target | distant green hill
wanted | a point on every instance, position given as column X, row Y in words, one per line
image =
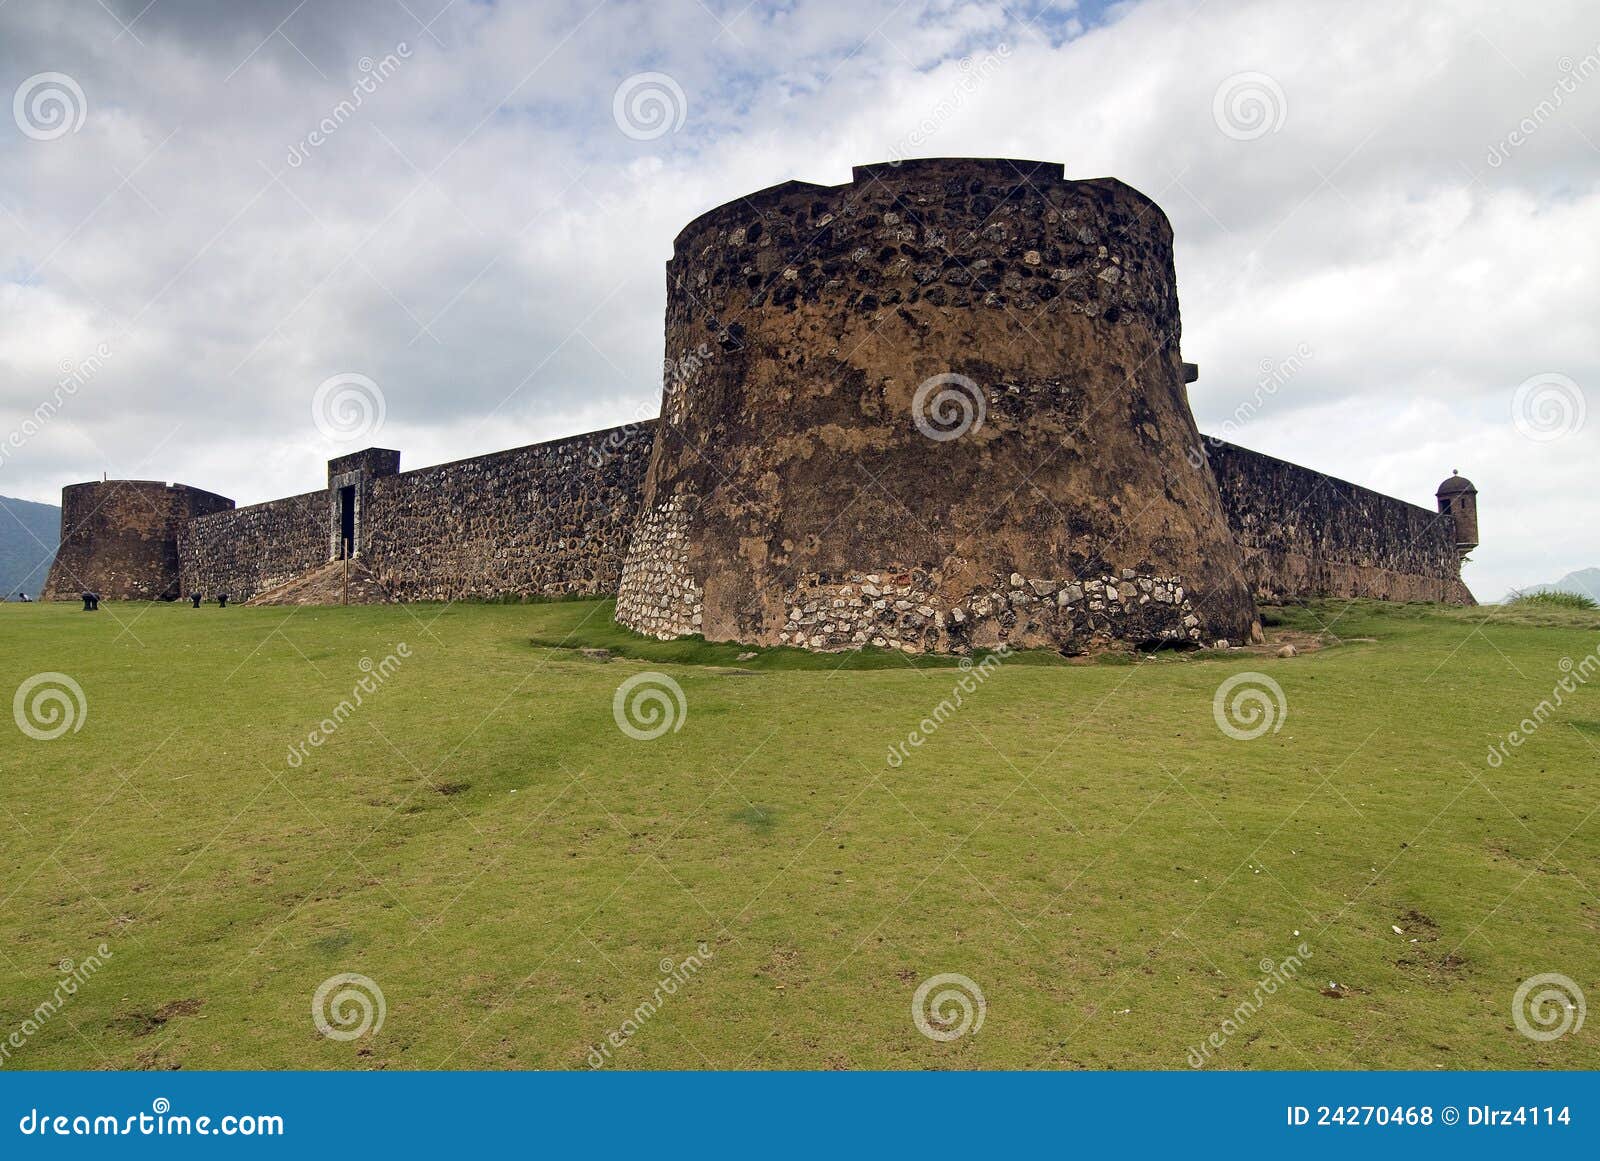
column 1585, row 581
column 29, row 533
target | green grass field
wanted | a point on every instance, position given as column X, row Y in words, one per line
column 511, row 869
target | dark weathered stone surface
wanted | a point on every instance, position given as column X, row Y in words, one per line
column 1304, row 534
column 119, row 538
column 549, row 518
column 789, row 466
column 249, row 550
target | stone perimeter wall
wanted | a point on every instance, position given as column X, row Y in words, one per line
column 557, row 518
column 1304, row 534
column 549, row 518
column 546, row 519
column 248, row 550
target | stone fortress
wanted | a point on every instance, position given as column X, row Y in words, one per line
column 940, row 407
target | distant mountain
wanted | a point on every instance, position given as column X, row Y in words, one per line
column 1585, row 581
column 29, row 533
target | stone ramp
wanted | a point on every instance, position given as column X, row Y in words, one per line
column 326, row 586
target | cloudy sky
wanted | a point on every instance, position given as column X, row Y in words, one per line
column 1387, row 217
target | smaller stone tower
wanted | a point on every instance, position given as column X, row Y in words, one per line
column 120, row 538
column 1458, row 499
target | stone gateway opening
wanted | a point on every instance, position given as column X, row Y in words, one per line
column 347, row 521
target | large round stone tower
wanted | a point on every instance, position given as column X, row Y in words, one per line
column 942, row 406
column 120, row 538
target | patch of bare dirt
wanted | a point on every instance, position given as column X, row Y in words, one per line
column 144, row 1023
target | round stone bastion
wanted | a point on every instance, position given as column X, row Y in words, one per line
column 939, row 408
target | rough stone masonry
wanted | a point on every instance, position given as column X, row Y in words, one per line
column 1045, row 498
column 940, row 407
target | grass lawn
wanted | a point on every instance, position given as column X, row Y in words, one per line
column 1081, row 841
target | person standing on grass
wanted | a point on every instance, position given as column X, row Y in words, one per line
column 222, row 600
column 197, row 598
